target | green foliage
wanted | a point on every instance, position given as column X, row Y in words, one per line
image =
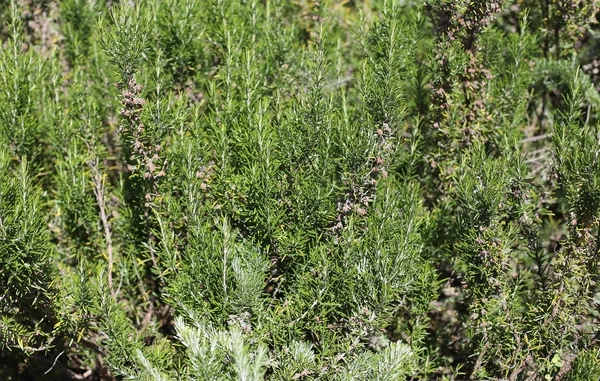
column 125, row 39
column 221, row 354
column 78, row 18
column 332, row 190
column 586, row 366
column 21, row 74
column 28, row 310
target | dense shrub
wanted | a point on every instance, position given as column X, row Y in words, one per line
column 299, row 190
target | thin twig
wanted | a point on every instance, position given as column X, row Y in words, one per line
column 40, row 349
column 535, row 138
column 481, row 354
column 99, row 191
column 54, row 363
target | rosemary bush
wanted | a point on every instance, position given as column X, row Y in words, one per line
column 299, row 190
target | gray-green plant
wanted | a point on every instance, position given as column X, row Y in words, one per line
column 306, row 190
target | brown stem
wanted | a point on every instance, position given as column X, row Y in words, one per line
column 42, row 348
column 100, row 198
column 481, row 354
column 566, row 368
column 520, row 368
